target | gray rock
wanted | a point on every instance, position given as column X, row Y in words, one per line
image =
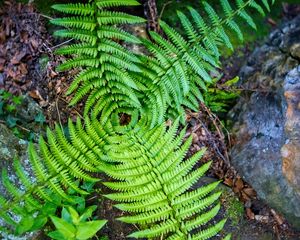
column 28, row 110
column 267, row 151
column 10, row 148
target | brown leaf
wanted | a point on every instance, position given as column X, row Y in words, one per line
column 228, row 182
column 244, row 197
column 277, row 217
column 239, row 184
column 2, row 61
column 250, row 214
column 262, row 218
column 250, row 192
column 34, row 43
column 36, row 95
column 17, row 57
column 2, row 36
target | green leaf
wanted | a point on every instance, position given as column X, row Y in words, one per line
column 10, row 108
column 1, row 108
column 88, row 213
column 11, row 121
column 228, row 237
column 49, row 209
column 66, row 215
column 6, row 95
column 24, row 225
column 40, row 118
column 39, row 223
column 58, row 236
column 65, row 228
column 89, row 229
column 17, row 100
column 88, row 186
column 74, row 215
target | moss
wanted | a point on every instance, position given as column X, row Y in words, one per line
column 234, row 209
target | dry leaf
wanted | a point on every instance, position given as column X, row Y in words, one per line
column 17, row 57
column 277, row 217
column 250, row 192
column 239, row 184
column 250, row 214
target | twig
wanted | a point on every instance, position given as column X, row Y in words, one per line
column 79, row 114
column 63, row 43
column 58, row 113
column 163, row 9
column 213, row 117
column 45, row 16
column 17, row 125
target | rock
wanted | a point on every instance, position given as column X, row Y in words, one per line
column 11, row 147
column 267, row 122
column 290, row 151
column 295, row 50
column 28, row 110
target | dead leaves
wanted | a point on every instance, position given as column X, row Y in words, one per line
column 20, row 44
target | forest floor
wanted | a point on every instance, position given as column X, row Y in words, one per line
column 27, row 66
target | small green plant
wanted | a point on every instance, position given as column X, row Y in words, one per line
column 72, row 226
column 31, row 223
column 8, row 107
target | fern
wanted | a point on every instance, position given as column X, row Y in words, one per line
column 106, row 64
column 153, row 179
column 154, row 185
column 56, row 167
column 160, row 86
column 183, row 64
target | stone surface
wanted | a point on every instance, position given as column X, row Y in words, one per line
column 267, row 120
column 28, row 110
column 10, row 148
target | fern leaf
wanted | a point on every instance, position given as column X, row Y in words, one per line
column 75, row 8
column 116, row 3
column 108, row 17
column 85, row 23
column 153, row 185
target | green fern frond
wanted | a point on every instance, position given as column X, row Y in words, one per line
column 56, row 166
column 116, row 3
column 154, row 184
column 199, row 52
column 109, row 69
column 75, row 8
column 85, row 23
column 108, row 17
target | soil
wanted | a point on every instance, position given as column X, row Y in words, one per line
column 27, row 66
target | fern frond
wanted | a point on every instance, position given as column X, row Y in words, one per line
column 56, row 166
column 116, row 3
column 75, row 8
column 109, row 69
column 153, row 184
column 199, row 52
column 108, row 17
column 85, row 23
